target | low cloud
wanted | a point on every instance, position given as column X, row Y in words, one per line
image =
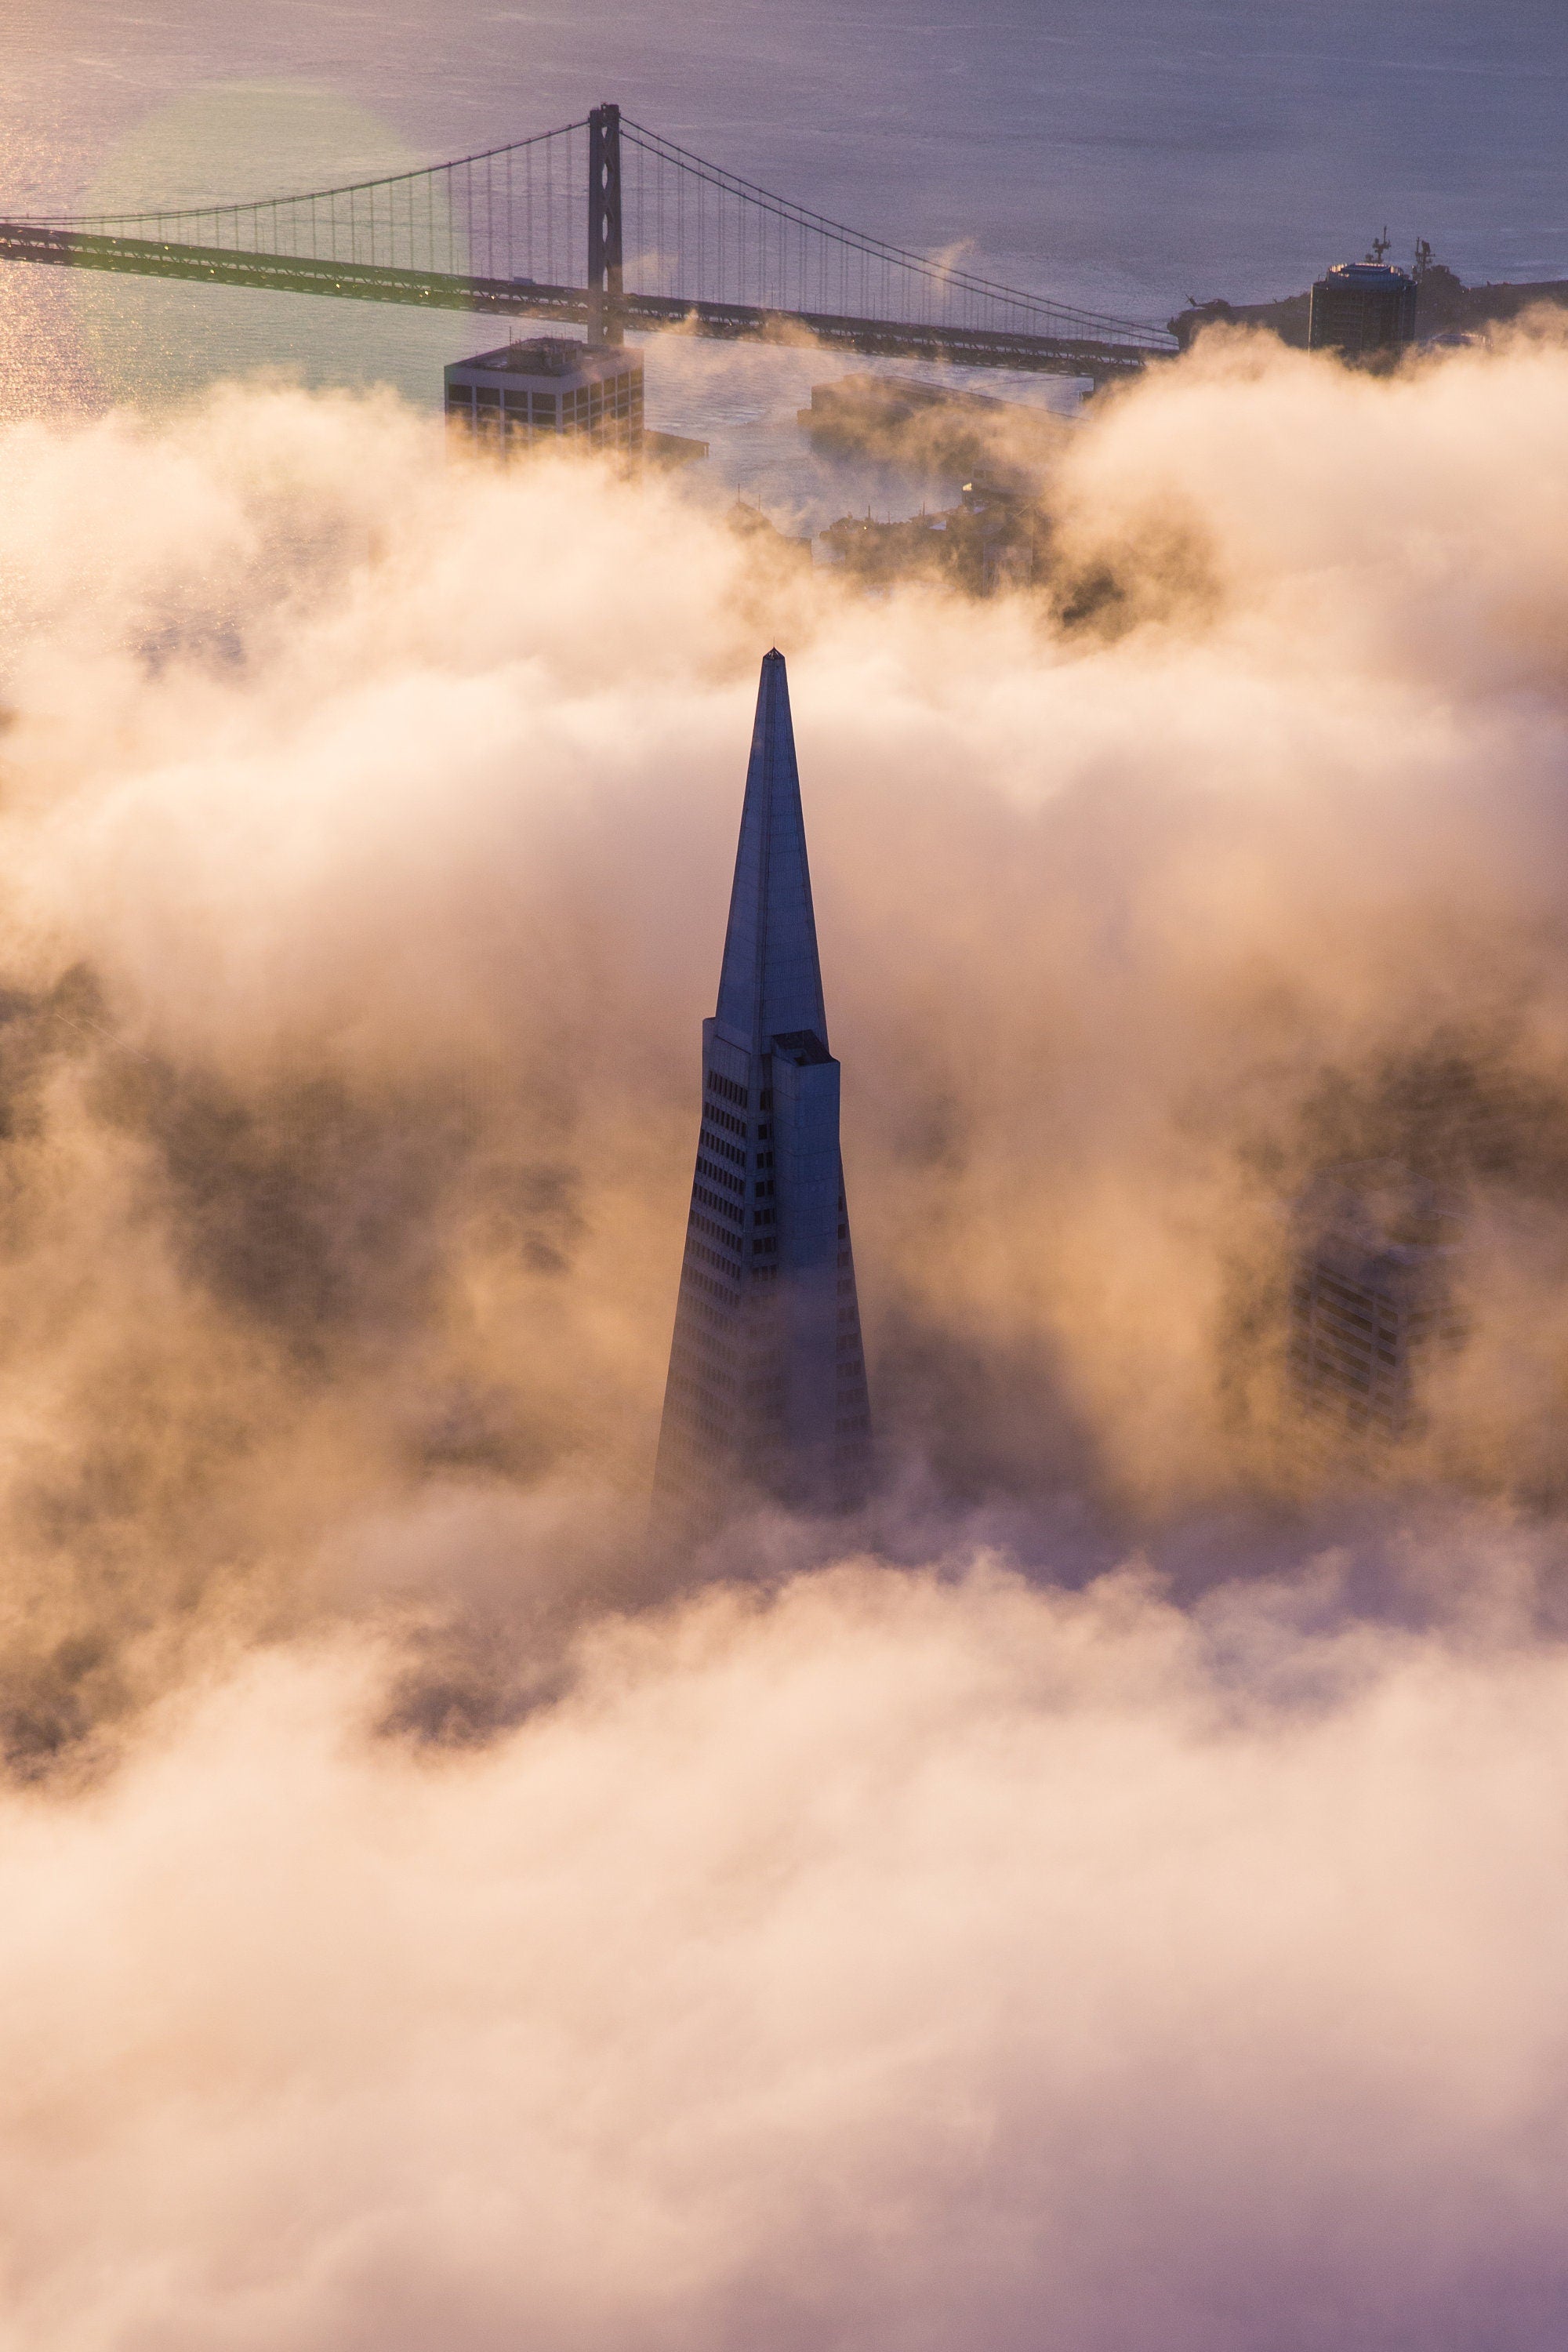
column 889, row 1960
column 1118, row 1899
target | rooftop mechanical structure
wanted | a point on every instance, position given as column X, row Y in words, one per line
column 766, row 1399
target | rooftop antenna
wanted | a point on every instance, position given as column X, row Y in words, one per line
column 1379, row 244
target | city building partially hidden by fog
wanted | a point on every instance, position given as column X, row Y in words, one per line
column 766, row 1394
column 1376, row 1251
column 553, row 390
column 927, row 425
column 550, row 386
column 1363, row 309
column 993, row 540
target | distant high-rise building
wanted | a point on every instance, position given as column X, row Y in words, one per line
column 1363, row 309
column 549, row 388
column 1373, row 1291
column 766, row 1395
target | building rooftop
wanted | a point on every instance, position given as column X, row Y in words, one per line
column 1367, row 277
column 553, row 355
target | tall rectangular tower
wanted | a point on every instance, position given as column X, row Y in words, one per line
column 766, row 1395
column 1377, row 1251
column 1361, row 308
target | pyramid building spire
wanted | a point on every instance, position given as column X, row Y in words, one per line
column 766, row 1396
column 771, row 982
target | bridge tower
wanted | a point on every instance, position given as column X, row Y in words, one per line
column 766, row 1395
column 606, row 322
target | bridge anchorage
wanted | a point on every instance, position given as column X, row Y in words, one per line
column 671, row 241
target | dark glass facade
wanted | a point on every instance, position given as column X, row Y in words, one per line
column 767, row 1396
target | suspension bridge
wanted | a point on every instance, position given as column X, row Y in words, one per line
column 603, row 224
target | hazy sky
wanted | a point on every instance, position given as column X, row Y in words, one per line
column 1130, row 150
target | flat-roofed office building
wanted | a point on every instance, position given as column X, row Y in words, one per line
column 547, row 391
column 1363, row 309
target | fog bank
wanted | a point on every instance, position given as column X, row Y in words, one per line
column 1113, row 1888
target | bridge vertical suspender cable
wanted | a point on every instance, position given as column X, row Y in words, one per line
column 741, row 262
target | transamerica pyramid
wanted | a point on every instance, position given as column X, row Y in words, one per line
column 766, row 1395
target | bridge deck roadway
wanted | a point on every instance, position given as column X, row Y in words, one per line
column 572, row 305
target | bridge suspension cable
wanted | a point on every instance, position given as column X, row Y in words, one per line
column 497, row 214
column 665, row 238
column 735, row 242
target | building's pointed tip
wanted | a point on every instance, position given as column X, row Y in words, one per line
column 771, row 981
column 772, row 705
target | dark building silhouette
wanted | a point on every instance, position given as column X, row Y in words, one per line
column 766, row 1395
column 1363, row 309
column 1376, row 1248
column 993, row 540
